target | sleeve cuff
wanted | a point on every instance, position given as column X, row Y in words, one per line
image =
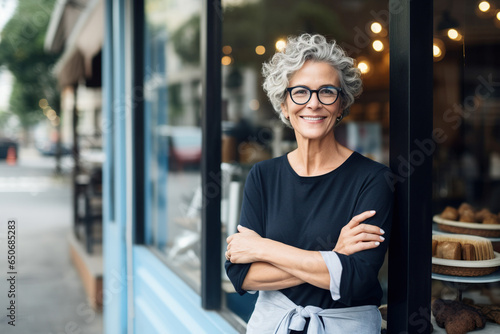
column 334, row 266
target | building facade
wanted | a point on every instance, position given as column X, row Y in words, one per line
column 184, row 118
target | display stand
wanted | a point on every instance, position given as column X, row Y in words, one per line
column 437, row 231
column 462, row 283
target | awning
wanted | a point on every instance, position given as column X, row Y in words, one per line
column 84, row 40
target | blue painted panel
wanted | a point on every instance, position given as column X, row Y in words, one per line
column 148, row 187
column 114, row 252
column 164, row 304
column 148, row 147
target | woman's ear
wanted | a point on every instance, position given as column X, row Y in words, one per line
column 284, row 110
column 340, row 115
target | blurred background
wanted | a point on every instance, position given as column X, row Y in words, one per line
column 36, row 187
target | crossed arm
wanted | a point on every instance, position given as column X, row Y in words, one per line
column 276, row 265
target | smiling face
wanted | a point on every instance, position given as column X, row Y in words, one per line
column 313, row 120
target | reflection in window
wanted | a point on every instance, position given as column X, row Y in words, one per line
column 173, row 130
column 466, row 144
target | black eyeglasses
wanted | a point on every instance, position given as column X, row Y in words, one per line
column 302, row 94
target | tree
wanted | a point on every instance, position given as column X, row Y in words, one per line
column 22, row 52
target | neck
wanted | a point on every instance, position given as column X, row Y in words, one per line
column 316, row 157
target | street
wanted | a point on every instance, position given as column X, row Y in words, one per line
column 40, row 289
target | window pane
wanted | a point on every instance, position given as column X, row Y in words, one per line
column 466, row 144
column 252, row 131
column 173, row 130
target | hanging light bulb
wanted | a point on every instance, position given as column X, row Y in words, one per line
column 364, row 66
column 438, row 49
column 260, row 50
column 378, row 45
column 454, row 35
column 226, row 60
column 280, row 45
column 484, row 6
column 376, row 27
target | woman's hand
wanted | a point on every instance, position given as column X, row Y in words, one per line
column 243, row 247
column 356, row 237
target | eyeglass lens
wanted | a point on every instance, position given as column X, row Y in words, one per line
column 302, row 95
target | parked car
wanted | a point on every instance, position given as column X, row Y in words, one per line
column 48, row 148
column 184, row 146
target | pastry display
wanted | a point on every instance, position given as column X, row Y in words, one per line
column 463, row 255
column 467, row 220
column 457, row 317
column 467, row 214
column 472, row 230
column 462, row 247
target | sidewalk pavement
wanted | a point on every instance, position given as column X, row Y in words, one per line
column 49, row 295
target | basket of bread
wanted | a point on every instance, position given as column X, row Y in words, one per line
column 463, row 255
column 467, row 220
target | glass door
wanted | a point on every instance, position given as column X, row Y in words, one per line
column 466, row 172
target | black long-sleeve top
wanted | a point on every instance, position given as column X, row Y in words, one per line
column 309, row 212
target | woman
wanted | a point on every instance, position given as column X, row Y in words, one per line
column 301, row 241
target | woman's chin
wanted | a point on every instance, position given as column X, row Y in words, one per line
column 313, row 134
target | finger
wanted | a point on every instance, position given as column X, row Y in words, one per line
column 227, row 256
column 228, row 239
column 356, row 220
column 367, row 228
column 367, row 237
column 242, row 228
column 361, row 246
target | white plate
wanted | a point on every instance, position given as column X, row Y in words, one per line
column 468, row 264
column 479, row 226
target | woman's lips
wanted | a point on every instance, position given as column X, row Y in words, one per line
column 313, row 118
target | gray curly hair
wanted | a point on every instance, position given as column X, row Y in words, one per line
column 278, row 71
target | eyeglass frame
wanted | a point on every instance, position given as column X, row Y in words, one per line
column 311, row 91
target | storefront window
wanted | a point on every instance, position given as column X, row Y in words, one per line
column 466, row 173
column 172, row 90
column 252, row 131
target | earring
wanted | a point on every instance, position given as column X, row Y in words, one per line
column 340, row 118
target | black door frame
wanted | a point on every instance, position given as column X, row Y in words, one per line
column 409, row 288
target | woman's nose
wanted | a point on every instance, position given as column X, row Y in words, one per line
column 314, row 101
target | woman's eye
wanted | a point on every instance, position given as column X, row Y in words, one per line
column 300, row 92
column 327, row 91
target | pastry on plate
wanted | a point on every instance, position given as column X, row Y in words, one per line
column 491, row 219
column 457, row 317
column 449, row 213
column 467, row 216
column 450, row 250
column 465, row 207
